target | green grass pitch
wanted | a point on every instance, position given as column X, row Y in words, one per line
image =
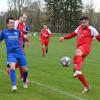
column 48, row 79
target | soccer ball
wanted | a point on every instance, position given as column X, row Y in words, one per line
column 65, row 61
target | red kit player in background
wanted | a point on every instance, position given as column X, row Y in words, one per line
column 85, row 34
column 44, row 38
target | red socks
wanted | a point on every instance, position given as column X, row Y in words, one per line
column 8, row 71
column 20, row 70
column 78, row 60
column 83, row 80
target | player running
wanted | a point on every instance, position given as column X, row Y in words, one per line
column 15, row 52
column 20, row 24
column 85, row 34
column 44, row 37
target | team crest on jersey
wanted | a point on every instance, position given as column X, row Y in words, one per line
column 15, row 33
column 7, row 33
column 13, row 37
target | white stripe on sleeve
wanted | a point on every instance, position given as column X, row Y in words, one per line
column 16, row 24
column 94, row 32
column 49, row 31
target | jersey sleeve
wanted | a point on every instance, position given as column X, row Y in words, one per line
column 49, row 31
column 69, row 36
column 94, row 32
column 76, row 31
column 16, row 24
column 41, row 33
column 1, row 36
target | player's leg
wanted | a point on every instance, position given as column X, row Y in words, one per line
column 11, row 60
column 43, row 47
column 78, row 61
column 13, row 76
column 46, row 49
column 8, row 70
column 23, row 62
column 20, row 70
column 47, row 43
column 25, row 76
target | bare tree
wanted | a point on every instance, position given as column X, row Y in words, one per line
column 16, row 5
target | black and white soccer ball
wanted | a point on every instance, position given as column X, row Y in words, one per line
column 65, row 61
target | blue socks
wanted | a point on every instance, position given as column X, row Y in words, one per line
column 13, row 77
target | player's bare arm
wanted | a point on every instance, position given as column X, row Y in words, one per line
column 27, row 39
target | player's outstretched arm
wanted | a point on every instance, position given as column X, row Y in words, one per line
column 26, row 37
column 68, row 36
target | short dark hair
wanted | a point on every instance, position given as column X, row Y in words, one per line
column 7, row 20
column 23, row 13
column 84, row 18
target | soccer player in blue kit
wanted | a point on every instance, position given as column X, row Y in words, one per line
column 15, row 52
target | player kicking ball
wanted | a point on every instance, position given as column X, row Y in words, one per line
column 44, row 38
column 15, row 52
column 85, row 34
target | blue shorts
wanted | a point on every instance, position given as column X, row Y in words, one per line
column 14, row 57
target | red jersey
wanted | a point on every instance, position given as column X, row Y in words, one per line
column 21, row 27
column 84, row 36
column 45, row 34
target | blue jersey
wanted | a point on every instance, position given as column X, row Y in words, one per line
column 12, row 40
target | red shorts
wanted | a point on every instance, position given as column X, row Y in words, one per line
column 85, row 49
column 43, row 42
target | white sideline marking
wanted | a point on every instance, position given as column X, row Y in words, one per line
column 57, row 90
column 53, row 89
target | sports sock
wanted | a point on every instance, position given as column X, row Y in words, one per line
column 46, row 50
column 21, row 72
column 13, row 77
column 83, row 80
column 25, row 74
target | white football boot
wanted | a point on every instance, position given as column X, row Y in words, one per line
column 14, row 88
column 77, row 73
column 86, row 90
column 25, row 85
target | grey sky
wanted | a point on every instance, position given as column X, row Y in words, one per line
column 96, row 3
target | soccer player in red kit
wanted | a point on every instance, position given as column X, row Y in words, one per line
column 20, row 24
column 44, row 37
column 85, row 34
